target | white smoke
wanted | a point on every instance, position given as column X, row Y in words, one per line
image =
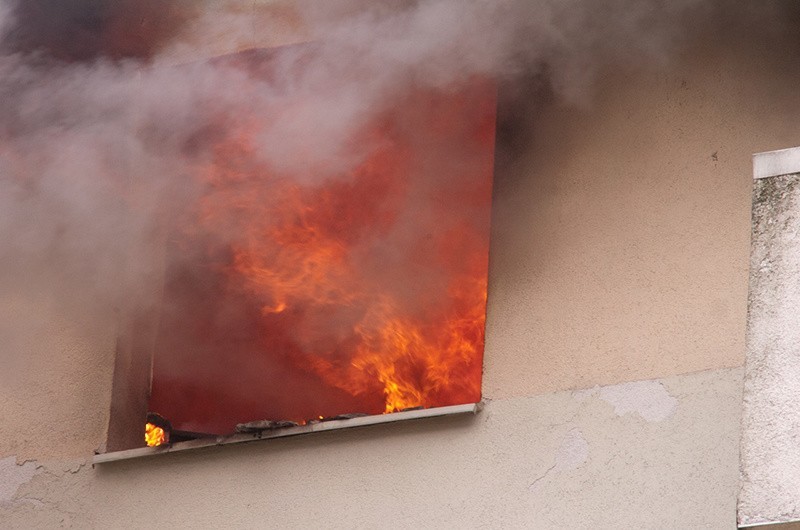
column 97, row 154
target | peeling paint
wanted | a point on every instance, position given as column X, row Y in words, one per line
column 648, row 399
column 13, row 475
column 573, row 452
column 585, row 393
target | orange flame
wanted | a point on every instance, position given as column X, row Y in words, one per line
column 154, row 435
column 300, row 254
column 373, row 280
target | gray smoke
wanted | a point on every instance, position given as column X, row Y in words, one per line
column 107, row 109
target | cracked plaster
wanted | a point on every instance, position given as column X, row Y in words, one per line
column 13, row 475
column 648, row 399
column 549, row 461
column 618, row 254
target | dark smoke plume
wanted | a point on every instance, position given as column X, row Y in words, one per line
column 83, row 30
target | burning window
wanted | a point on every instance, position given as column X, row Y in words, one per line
column 359, row 288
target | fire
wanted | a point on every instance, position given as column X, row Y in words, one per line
column 417, row 363
column 154, row 435
column 302, row 253
column 369, row 282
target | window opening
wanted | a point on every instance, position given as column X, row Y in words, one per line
column 295, row 295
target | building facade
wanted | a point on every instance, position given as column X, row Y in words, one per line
column 615, row 342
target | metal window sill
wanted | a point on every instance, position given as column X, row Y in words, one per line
column 332, row 425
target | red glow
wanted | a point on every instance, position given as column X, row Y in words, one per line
column 297, row 297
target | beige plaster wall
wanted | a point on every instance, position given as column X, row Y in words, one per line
column 621, row 237
column 653, row 454
column 619, row 255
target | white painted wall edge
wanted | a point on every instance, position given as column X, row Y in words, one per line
column 770, row 523
column 332, row 425
column 776, row 163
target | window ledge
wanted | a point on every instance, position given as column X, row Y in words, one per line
column 332, row 425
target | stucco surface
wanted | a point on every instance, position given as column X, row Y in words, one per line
column 770, row 453
column 620, row 256
column 55, row 384
column 565, row 460
column 621, row 236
